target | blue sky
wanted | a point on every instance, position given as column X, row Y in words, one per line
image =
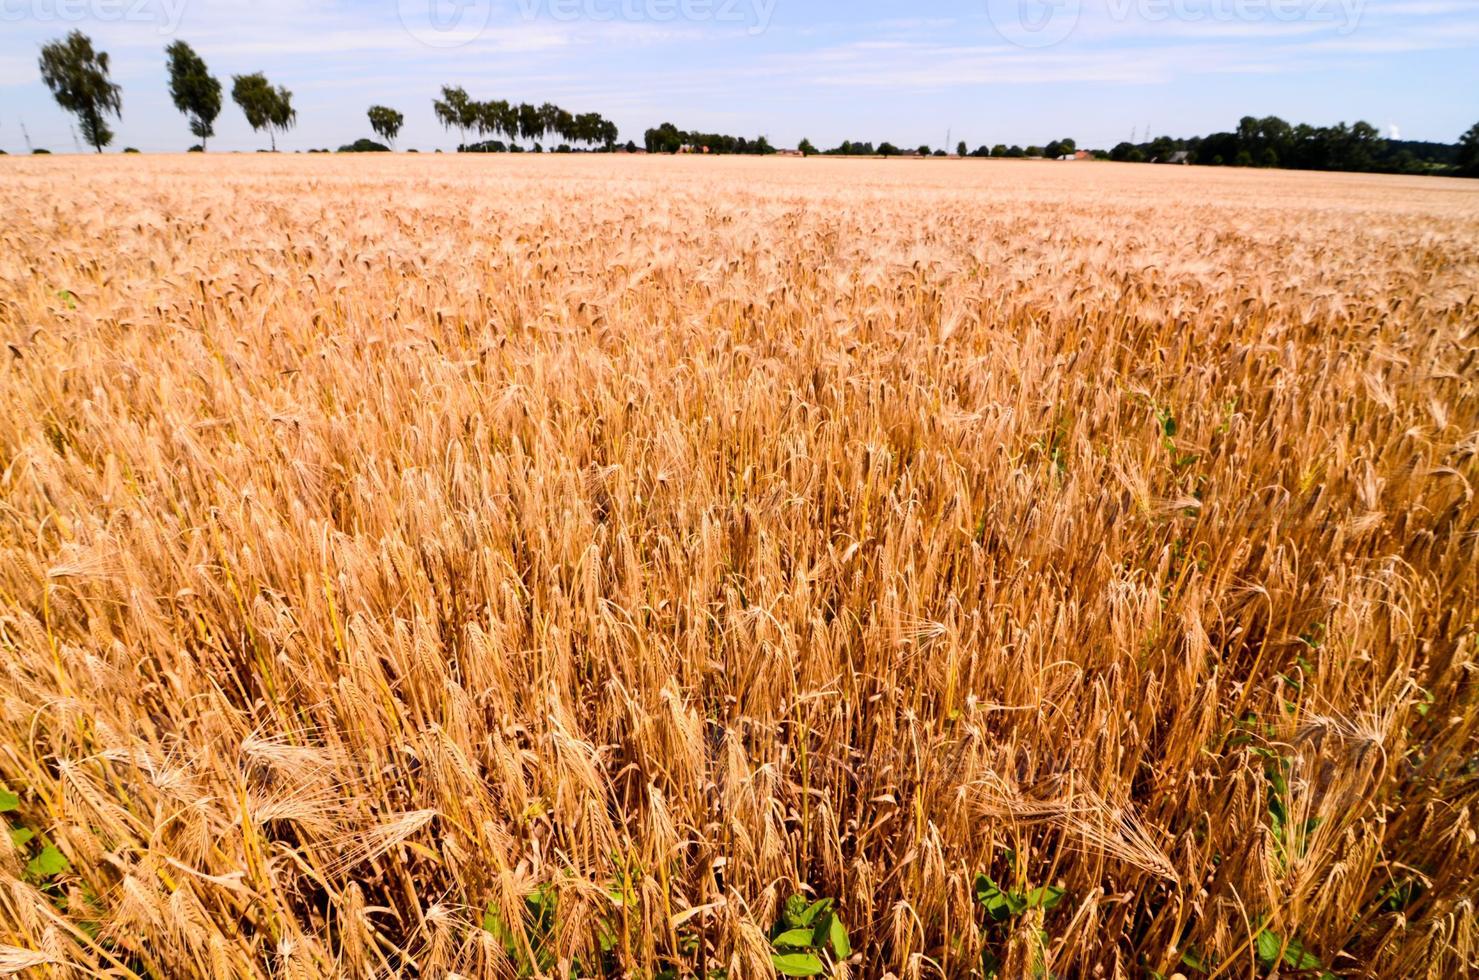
column 986, row 71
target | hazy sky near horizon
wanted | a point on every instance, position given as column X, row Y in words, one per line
column 985, row 71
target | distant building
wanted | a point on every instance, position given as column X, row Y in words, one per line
column 789, row 153
column 1182, row 157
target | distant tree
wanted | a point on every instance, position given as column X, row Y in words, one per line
column 1468, row 152
column 195, row 92
column 807, row 150
column 1218, row 148
column 923, row 150
column 1248, row 130
column 565, row 125
column 508, row 116
column 887, row 150
column 531, row 122
column 999, row 150
column 666, row 138
column 78, row 78
column 386, row 122
column 1361, row 147
column 364, row 146
column 586, row 128
column 549, row 119
column 1035, row 151
column 265, row 107
column 1053, row 150
column 254, row 96
column 455, row 110
column 961, row 150
column 284, row 116
column 497, row 117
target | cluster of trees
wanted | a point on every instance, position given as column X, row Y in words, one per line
column 668, row 138
column 1001, row 150
column 1273, row 142
column 848, row 148
column 455, row 110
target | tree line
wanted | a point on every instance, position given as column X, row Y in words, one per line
column 1273, row 142
column 849, row 148
column 79, row 78
column 668, row 138
column 456, row 110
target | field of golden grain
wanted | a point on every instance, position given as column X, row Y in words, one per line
column 432, row 567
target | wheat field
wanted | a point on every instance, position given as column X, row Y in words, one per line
column 492, row 567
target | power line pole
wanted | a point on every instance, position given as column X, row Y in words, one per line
column 29, row 147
